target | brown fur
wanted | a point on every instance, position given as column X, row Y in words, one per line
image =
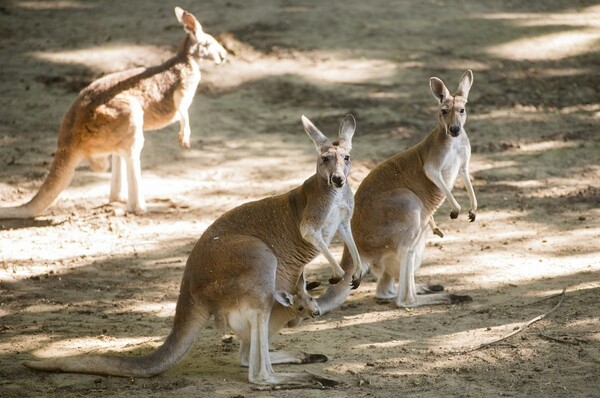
column 396, row 201
column 112, row 113
column 237, row 267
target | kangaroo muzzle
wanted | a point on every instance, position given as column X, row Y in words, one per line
column 338, row 180
column 454, row 130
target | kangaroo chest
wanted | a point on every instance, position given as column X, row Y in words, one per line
column 184, row 94
column 453, row 159
column 339, row 211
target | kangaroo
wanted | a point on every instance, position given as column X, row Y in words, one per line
column 240, row 262
column 396, row 201
column 286, row 308
column 112, row 113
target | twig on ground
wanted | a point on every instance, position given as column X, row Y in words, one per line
column 520, row 329
column 282, row 387
column 561, row 341
column 540, row 300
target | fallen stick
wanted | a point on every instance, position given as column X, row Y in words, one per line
column 540, row 300
column 550, row 338
column 520, row 329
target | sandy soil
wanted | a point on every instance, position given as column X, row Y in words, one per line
column 88, row 278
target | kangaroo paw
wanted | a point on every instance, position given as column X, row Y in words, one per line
column 333, row 280
column 312, row 285
column 454, row 214
column 429, row 289
column 326, row 383
column 436, row 288
column 456, row 298
column 313, row 358
column 472, row 216
column 438, row 232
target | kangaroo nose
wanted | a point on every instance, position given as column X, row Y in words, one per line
column 337, row 180
column 316, row 313
column 454, row 129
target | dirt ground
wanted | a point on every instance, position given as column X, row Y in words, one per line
column 86, row 277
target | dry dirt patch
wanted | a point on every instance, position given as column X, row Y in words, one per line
column 88, row 278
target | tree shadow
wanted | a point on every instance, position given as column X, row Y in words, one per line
column 522, row 102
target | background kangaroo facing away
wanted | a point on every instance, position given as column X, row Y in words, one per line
column 239, row 264
column 396, row 201
column 112, row 113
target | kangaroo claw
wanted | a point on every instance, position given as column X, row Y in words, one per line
column 326, row 383
column 438, row 232
column 314, row 358
column 456, row 298
column 355, row 282
column 472, row 216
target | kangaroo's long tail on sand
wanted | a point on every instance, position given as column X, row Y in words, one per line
column 336, row 294
column 189, row 320
column 59, row 177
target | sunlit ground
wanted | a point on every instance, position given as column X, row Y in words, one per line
column 87, row 277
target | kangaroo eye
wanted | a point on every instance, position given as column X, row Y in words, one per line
column 462, row 110
column 325, row 159
column 301, row 308
column 347, row 158
column 444, row 111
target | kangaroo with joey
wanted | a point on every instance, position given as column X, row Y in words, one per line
column 239, row 265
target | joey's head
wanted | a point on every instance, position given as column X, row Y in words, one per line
column 452, row 114
column 301, row 304
column 198, row 44
column 333, row 163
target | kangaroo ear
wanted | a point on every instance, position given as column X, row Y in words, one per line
column 438, row 88
column 283, row 298
column 189, row 22
column 347, row 129
column 212, row 49
column 318, row 138
column 465, row 84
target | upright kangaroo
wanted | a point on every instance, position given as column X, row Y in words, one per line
column 396, row 201
column 112, row 113
column 240, row 262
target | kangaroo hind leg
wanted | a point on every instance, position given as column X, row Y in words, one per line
column 411, row 257
column 386, row 283
column 118, row 174
column 260, row 370
column 131, row 156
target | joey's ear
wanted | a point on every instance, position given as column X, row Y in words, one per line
column 283, row 298
column 189, row 22
column 438, row 88
column 465, row 84
column 347, row 129
column 318, row 138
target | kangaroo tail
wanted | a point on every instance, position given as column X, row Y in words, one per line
column 336, row 294
column 189, row 320
column 59, row 177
